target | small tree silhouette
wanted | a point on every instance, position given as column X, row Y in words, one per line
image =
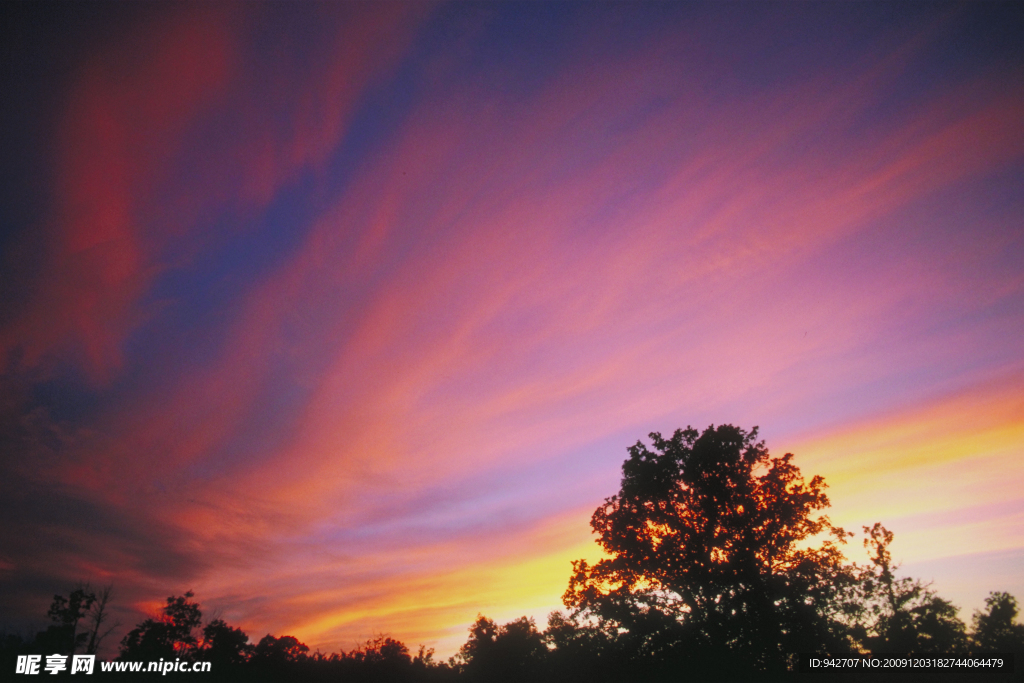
column 98, row 617
column 996, row 630
column 63, row 635
column 225, row 646
column 274, row 652
column 512, row 652
column 900, row 614
column 169, row 636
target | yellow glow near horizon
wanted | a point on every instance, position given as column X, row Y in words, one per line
column 944, row 476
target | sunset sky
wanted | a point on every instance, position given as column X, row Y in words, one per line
column 344, row 315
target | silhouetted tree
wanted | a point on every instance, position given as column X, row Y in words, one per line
column 711, row 556
column 381, row 658
column 512, row 652
column 581, row 651
column 63, row 636
column 995, row 630
column 274, row 652
column 225, row 646
column 901, row 614
column 169, row 636
column 382, row 650
column 98, row 617
column 424, row 657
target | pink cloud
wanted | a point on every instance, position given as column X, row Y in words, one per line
column 164, row 128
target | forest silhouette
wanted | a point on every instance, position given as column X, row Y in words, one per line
column 721, row 564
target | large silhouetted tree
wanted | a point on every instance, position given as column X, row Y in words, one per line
column 717, row 551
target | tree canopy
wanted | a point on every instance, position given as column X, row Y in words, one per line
column 996, row 629
column 715, row 540
column 891, row 614
column 511, row 652
column 82, row 606
column 168, row 636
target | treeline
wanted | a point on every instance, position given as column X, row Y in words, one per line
column 719, row 566
column 567, row 650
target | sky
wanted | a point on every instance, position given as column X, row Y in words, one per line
column 343, row 315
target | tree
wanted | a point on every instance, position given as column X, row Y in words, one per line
column 580, row 651
column 512, row 652
column 382, row 650
column 901, row 614
column 63, row 636
column 225, row 646
column 380, row 658
column 169, row 636
column 275, row 652
column 712, row 554
column 82, row 606
column 996, row 630
column 98, row 616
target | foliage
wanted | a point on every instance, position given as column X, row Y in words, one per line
column 383, row 658
column 234, row 657
column 709, row 544
column 381, row 650
column 512, row 652
column 225, row 646
column 273, row 651
column 720, row 564
column 996, row 630
column 62, row 635
column 900, row 614
column 82, row 606
column 169, row 636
